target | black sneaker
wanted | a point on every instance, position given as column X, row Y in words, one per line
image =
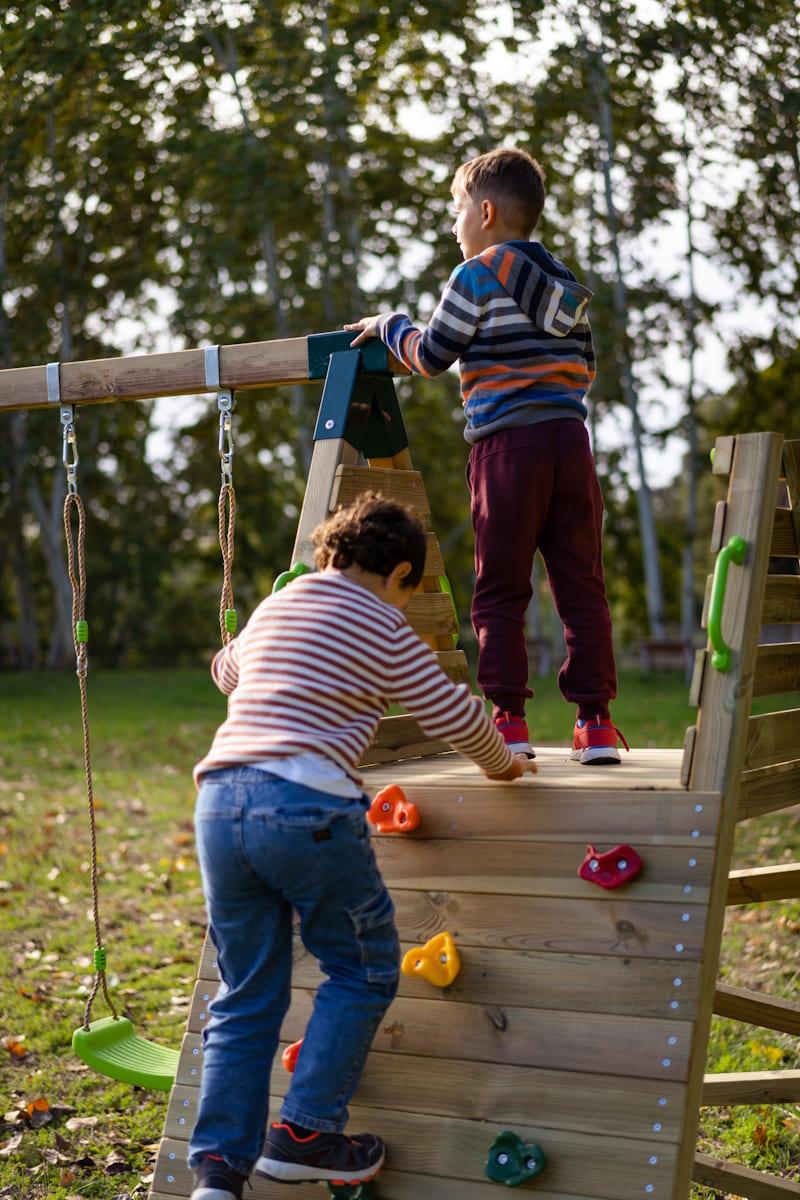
column 215, row 1180
column 295, row 1155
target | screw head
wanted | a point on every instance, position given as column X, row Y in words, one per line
column 329, row 424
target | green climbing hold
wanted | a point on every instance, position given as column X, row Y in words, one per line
column 285, row 577
column 81, row 631
column 711, row 454
column 230, row 620
column 512, row 1161
column 99, row 959
column 351, row 1191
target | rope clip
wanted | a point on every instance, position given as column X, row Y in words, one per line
column 69, row 453
column 225, row 406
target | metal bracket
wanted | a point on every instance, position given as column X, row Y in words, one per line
column 361, row 408
column 54, row 383
column 225, row 403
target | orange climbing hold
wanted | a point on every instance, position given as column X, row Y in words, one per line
column 437, row 961
column 289, row 1056
column 391, row 812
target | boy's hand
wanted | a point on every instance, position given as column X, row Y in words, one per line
column 368, row 327
column 520, row 765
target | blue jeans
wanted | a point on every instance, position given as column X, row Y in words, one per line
column 268, row 846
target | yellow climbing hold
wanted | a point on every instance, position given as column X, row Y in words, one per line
column 437, row 961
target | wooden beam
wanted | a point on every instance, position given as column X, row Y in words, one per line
column 752, row 1087
column 764, row 883
column 777, row 669
column 769, row 789
column 784, row 543
column 781, row 600
column 733, row 1180
column 406, row 487
column 755, row 1008
column 772, row 738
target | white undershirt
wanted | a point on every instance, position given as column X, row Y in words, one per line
column 312, row 771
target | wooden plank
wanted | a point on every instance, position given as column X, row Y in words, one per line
column 645, row 1047
column 723, row 455
column 741, row 1181
column 530, row 979
column 647, row 771
column 769, row 789
column 602, row 1104
column 698, row 675
column 781, row 600
column 457, row 1149
column 393, row 732
column 147, row 376
column 606, row 818
column 537, row 869
column 756, row 1008
column 325, row 461
column 772, row 738
column 777, row 669
column 430, row 614
column 764, row 883
column 725, row 698
column 791, row 473
column 434, row 563
column 784, row 543
column 454, row 664
column 407, row 487
column 374, row 756
column 689, row 739
column 752, row 1087
column 706, row 604
column 391, row 1184
column 718, row 528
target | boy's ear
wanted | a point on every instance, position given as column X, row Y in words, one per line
column 488, row 214
column 401, row 572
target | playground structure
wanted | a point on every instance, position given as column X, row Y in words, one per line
column 579, row 1019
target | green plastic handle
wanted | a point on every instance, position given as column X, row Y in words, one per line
column 734, row 552
column 285, row 577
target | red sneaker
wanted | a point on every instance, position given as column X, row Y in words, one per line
column 515, row 733
column 595, row 741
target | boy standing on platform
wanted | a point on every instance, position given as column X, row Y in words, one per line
column 515, row 318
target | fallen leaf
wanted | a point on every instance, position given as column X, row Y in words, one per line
column 14, row 1047
column 66, row 1176
column 759, row 1135
column 81, row 1123
column 11, row 1145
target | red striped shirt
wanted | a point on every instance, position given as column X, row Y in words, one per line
column 316, row 667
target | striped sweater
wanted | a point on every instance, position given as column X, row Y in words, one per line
column 316, row 667
column 515, row 317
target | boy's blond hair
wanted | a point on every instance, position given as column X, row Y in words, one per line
column 511, row 178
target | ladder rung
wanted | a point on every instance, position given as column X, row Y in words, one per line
column 764, row 883
column 756, row 1008
column 752, row 1087
column 406, row 487
column 731, row 1179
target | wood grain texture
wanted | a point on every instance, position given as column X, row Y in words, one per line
column 552, row 1039
column 781, row 600
column 457, row 1150
column 326, row 459
column 752, row 1087
column 769, row 789
column 741, row 1181
column 764, row 883
column 602, row 1104
column 777, row 669
column 723, row 455
column 772, row 738
column 784, row 543
column 407, row 487
column 756, row 1008
column 431, row 614
column 791, row 473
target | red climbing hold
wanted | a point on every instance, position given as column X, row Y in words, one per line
column 289, row 1056
column 611, row 869
column 391, row 812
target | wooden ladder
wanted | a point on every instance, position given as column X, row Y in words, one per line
column 755, row 762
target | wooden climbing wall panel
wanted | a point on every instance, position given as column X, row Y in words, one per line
column 571, row 1019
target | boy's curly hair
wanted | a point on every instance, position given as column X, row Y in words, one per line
column 509, row 176
column 374, row 533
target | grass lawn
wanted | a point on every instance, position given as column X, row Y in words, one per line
column 69, row 1134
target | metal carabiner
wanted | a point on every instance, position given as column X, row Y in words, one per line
column 225, row 406
column 69, row 451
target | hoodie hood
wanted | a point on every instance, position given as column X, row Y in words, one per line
column 543, row 288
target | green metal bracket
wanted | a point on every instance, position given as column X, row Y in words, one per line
column 735, row 551
column 321, row 346
column 360, row 407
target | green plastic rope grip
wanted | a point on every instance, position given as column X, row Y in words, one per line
column 81, row 631
column 285, row 577
column 444, row 584
column 512, row 1161
column 230, row 620
column 734, row 552
column 99, row 959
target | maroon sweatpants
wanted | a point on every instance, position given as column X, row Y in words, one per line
column 535, row 487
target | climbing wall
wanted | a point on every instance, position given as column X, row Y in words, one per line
column 569, row 1022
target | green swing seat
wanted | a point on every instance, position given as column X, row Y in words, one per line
column 111, row 1047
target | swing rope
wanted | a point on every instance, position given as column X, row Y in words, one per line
column 226, row 513
column 76, row 568
column 76, row 558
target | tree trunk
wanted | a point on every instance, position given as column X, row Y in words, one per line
column 654, row 596
column 689, row 621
